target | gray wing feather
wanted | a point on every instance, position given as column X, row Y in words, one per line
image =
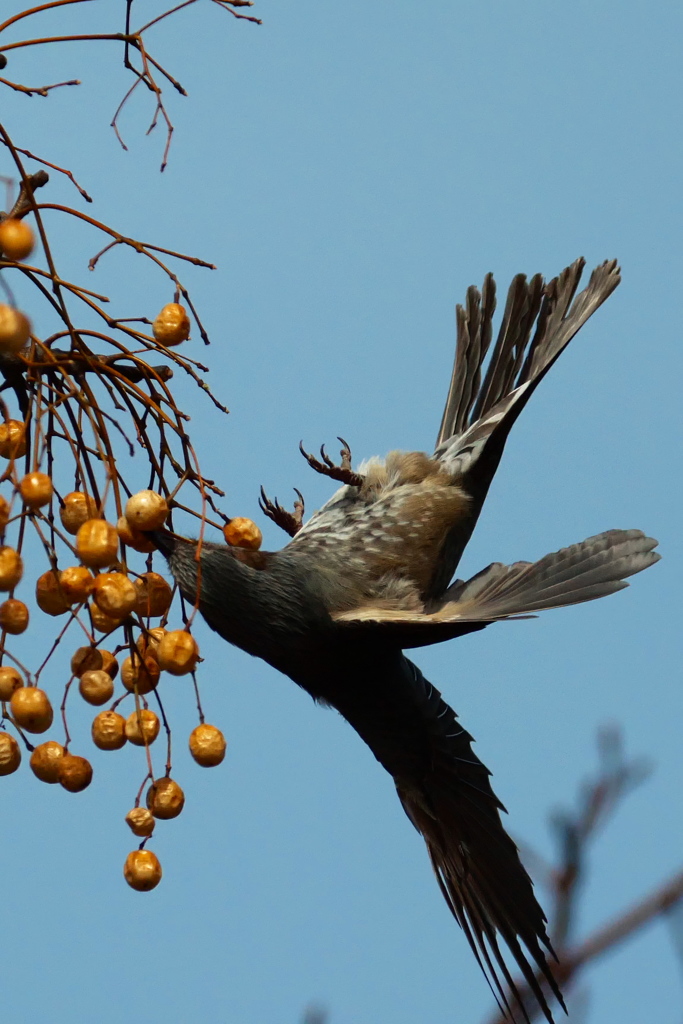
column 474, row 332
column 582, row 572
column 476, row 411
column 538, row 323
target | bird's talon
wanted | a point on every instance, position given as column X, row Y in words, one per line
column 343, row 472
column 290, row 522
column 345, row 454
column 299, row 508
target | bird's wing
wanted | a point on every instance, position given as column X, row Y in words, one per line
column 446, row 793
column 486, row 396
column 491, row 385
column 582, row 572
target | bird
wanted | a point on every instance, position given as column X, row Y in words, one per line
column 368, row 577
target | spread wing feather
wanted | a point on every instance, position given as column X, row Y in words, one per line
column 582, row 572
column 490, row 385
column 518, row 361
column 594, row 568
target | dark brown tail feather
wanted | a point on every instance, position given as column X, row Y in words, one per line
column 476, row 863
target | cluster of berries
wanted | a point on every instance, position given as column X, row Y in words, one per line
column 99, row 592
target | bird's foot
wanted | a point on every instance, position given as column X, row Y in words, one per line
column 290, row 522
column 343, row 472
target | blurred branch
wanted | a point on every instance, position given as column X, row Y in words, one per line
column 315, row 1015
column 658, row 902
column 622, row 927
column 598, row 801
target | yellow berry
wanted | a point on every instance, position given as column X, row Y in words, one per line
column 16, row 238
column 96, row 686
column 101, row 622
column 76, row 582
column 141, row 822
column 207, row 745
column 108, row 730
column 148, row 643
column 50, row 597
column 97, row 543
column 78, row 507
column 31, row 709
column 109, row 663
column 133, row 538
column 15, row 330
column 165, row 798
column 45, row 761
column 154, row 595
column 142, row 727
column 13, row 616
column 171, row 325
column 12, row 439
column 10, row 680
column 11, row 568
column 87, row 659
column 142, row 870
column 146, row 510
column 178, row 652
column 243, row 533
column 4, row 513
column 114, row 594
column 74, row 773
column 36, row 489
column 138, row 675
column 10, row 754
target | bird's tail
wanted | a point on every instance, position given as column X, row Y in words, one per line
column 451, row 803
column 486, row 395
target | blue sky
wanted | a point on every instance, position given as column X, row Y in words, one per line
column 351, row 169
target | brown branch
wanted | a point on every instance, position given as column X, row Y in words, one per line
column 621, row 928
column 88, row 37
column 166, row 14
column 140, row 247
column 30, row 271
column 55, row 167
column 41, row 90
column 598, row 800
column 24, row 203
column 624, row 925
column 74, row 363
column 223, row 4
column 38, row 10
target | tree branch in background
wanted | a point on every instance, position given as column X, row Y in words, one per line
column 315, row 1015
column 598, row 801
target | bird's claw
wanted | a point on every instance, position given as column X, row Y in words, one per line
column 290, row 522
column 342, row 472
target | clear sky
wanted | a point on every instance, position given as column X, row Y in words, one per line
column 351, row 169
